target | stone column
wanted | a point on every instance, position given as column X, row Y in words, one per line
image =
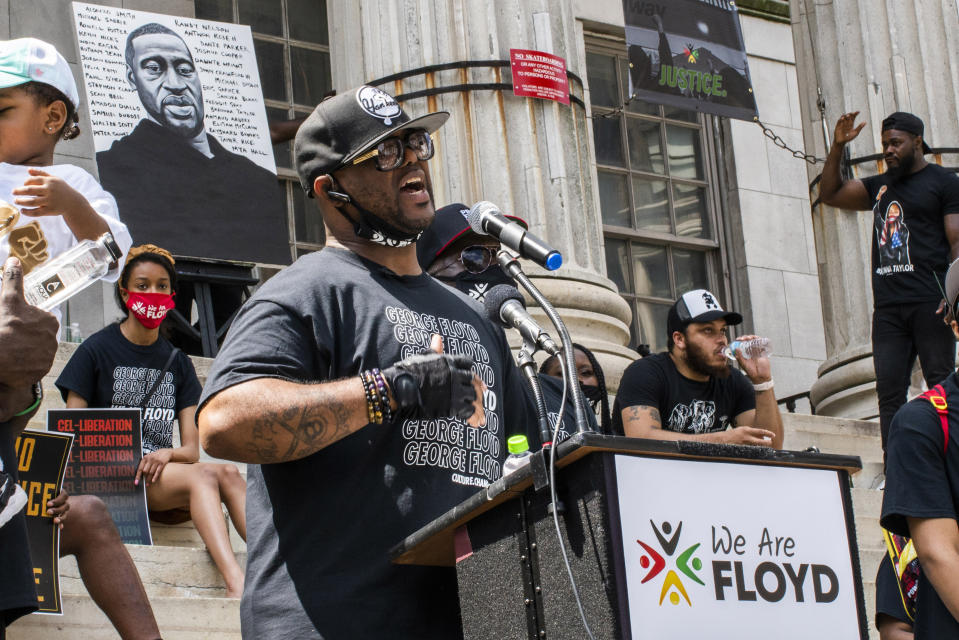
column 876, row 57
column 531, row 157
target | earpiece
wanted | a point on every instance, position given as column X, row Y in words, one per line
column 336, row 195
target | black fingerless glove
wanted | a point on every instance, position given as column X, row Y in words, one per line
column 433, row 385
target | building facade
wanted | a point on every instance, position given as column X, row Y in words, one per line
column 644, row 201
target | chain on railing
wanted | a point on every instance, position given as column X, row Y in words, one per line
column 779, row 142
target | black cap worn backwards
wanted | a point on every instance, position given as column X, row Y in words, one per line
column 345, row 126
column 902, row 121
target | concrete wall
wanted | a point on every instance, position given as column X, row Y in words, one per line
column 774, row 254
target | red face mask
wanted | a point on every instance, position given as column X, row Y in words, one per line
column 149, row 308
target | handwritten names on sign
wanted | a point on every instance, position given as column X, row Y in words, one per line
column 225, row 61
column 106, row 453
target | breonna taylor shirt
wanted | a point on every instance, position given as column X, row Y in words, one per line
column 910, row 251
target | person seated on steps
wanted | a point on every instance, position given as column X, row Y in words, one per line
column 132, row 354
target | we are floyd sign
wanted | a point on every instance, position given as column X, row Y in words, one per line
column 725, row 550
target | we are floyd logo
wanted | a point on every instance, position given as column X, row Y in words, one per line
column 772, row 572
column 685, row 562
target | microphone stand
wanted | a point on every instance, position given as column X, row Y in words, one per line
column 510, row 264
column 528, row 366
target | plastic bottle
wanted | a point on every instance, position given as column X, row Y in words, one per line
column 756, row 348
column 519, row 454
column 69, row 273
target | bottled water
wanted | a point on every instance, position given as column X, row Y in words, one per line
column 69, row 273
column 756, row 348
column 519, row 454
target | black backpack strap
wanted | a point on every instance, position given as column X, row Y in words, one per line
column 156, row 383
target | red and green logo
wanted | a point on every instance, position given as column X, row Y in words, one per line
column 691, row 53
column 655, row 562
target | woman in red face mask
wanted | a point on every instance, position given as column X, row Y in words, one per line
column 119, row 367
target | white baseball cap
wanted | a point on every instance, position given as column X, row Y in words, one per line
column 697, row 305
column 30, row 60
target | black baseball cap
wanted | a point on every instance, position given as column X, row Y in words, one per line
column 902, row 121
column 698, row 305
column 345, row 126
column 448, row 226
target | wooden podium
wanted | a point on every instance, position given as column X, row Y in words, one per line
column 664, row 539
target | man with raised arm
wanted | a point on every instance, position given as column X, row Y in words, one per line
column 915, row 209
column 691, row 392
column 368, row 397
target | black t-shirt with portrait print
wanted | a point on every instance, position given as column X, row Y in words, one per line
column 109, row 371
column 909, row 246
column 18, row 593
column 922, row 481
column 685, row 405
column 320, row 528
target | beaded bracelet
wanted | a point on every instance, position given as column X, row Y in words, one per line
column 378, row 408
column 384, row 395
column 373, row 412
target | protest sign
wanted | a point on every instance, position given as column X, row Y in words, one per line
column 106, row 453
column 41, row 461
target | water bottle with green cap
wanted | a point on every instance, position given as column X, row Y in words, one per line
column 519, row 454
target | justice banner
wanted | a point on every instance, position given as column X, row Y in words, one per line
column 719, row 543
column 689, row 54
column 106, row 454
column 41, row 461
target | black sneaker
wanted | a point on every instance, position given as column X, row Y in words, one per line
column 12, row 498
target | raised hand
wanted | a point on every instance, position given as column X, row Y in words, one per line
column 846, row 129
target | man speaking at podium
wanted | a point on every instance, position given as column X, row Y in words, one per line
column 691, row 392
column 332, row 385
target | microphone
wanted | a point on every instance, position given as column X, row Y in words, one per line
column 505, row 306
column 486, row 219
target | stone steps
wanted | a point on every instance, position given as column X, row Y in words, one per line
column 858, row 438
column 165, row 572
column 179, row 618
column 186, row 535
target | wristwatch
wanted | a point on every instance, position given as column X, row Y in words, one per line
column 37, row 399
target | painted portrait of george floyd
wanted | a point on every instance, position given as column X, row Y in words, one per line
column 181, row 135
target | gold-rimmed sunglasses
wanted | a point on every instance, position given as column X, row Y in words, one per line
column 389, row 153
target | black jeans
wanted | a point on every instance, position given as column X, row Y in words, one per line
column 900, row 333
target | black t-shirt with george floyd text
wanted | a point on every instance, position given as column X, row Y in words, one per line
column 922, row 481
column 685, row 406
column 109, row 371
column 909, row 246
column 320, row 528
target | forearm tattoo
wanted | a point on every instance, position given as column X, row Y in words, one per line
column 296, row 432
column 641, row 411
